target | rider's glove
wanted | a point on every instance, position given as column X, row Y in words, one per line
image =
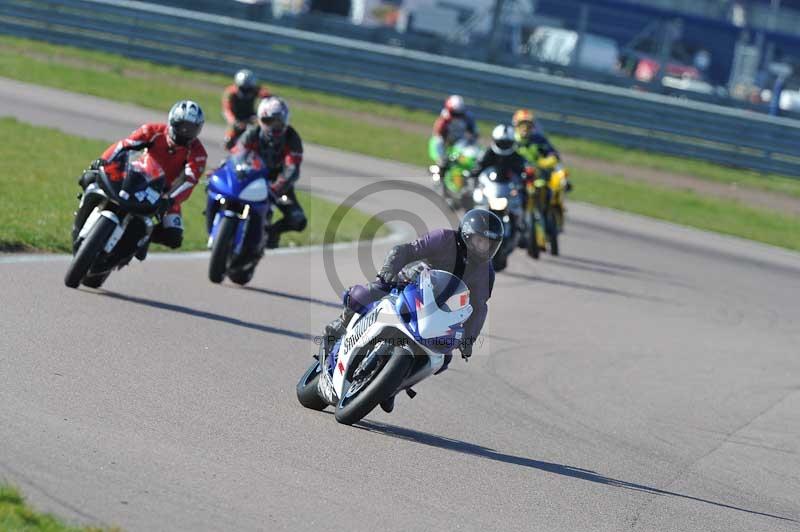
column 384, row 279
column 278, row 187
column 164, row 204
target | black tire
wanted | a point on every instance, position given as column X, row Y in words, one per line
column 383, row 385
column 221, row 249
column 533, row 243
column 88, row 251
column 95, row 280
column 307, row 392
column 499, row 262
column 552, row 235
column 242, row 277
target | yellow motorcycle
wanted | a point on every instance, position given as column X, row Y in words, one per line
column 546, row 187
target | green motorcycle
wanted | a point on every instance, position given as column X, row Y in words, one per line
column 451, row 180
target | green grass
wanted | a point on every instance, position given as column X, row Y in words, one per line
column 40, row 195
column 319, row 116
column 393, row 132
column 17, row 516
column 688, row 208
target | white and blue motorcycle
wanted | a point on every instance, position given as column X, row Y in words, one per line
column 399, row 341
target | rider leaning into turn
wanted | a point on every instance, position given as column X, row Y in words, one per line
column 280, row 146
column 239, row 104
column 176, row 148
column 466, row 253
column 453, row 123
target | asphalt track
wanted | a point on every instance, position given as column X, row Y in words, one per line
column 646, row 380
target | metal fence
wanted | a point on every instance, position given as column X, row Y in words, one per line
column 411, row 78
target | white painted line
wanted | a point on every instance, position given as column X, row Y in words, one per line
column 398, row 233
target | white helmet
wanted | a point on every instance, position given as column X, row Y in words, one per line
column 273, row 114
column 455, row 105
column 185, row 119
column 503, row 140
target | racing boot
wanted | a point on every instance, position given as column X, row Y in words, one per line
column 335, row 329
column 273, row 237
column 387, row 405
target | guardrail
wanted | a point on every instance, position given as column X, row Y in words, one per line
column 411, row 78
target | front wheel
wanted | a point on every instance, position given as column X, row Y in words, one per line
column 307, row 391
column 88, row 251
column 365, row 394
column 533, row 238
column 221, row 249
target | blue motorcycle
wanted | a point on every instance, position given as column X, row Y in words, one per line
column 239, row 203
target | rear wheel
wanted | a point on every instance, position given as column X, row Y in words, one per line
column 307, row 391
column 88, row 251
column 221, row 249
column 367, row 391
column 552, row 234
column 533, row 239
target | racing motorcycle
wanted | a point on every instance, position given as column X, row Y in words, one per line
column 450, row 182
column 545, row 206
column 504, row 198
column 239, row 202
column 397, row 342
column 128, row 195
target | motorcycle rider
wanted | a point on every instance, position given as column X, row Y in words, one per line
column 239, row 104
column 531, row 141
column 502, row 155
column 281, row 147
column 466, row 253
column 453, row 123
column 176, row 148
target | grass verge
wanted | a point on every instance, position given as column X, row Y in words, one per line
column 396, row 133
column 17, row 516
column 688, row 208
column 40, row 195
column 378, row 129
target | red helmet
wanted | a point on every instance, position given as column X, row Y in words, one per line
column 455, row 105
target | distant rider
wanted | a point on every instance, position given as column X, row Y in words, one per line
column 176, row 148
column 531, row 140
column 453, row 123
column 502, row 156
column 466, row 253
column 239, row 104
column 280, row 146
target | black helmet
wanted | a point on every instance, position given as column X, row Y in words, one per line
column 481, row 231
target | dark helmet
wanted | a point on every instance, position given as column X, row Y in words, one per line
column 481, row 231
column 245, row 81
column 185, row 122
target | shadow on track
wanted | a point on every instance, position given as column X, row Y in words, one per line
column 459, row 446
column 306, row 299
column 205, row 314
column 582, row 286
